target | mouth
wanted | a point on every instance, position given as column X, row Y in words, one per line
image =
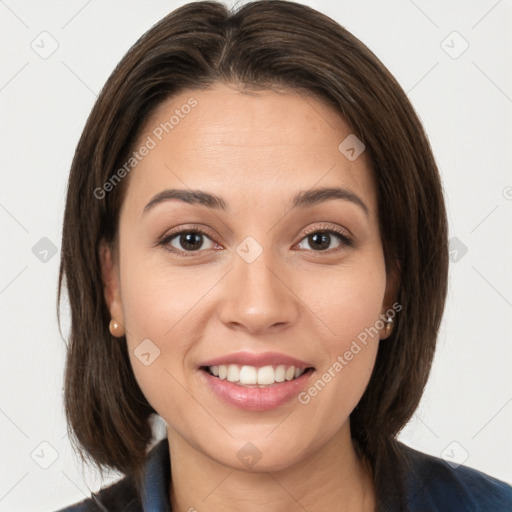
column 256, row 377
column 255, row 381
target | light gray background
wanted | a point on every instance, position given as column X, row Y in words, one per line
column 465, row 104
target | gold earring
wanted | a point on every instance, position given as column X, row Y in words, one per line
column 115, row 329
column 389, row 326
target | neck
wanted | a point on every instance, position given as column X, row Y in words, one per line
column 332, row 478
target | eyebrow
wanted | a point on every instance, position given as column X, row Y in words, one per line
column 303, row 199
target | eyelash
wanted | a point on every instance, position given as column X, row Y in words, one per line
column 346, row 241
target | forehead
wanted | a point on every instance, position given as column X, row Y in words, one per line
column 247, row 146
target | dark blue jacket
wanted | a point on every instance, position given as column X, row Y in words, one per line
column 432, row 486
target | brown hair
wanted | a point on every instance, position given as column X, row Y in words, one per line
column 263, row 44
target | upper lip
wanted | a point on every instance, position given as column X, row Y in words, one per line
column 257, row 360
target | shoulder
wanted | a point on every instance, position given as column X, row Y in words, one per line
column 118, row 497
column 123, row 496
column 435, row 485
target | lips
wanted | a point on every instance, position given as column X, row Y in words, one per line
column 257, row 360
column 256, row 382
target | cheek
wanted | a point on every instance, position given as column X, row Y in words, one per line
column 160, row 307
column 348, row 301
column 158, row 332
column 164, row 315
column 159, row 299
column 348, row 304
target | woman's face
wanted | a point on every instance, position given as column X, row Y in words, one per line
column 282, row 277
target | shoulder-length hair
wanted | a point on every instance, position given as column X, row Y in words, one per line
column 263, row 44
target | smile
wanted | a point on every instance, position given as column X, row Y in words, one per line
column 255, row 381
column 251, row 376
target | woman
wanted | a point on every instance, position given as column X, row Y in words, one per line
column 255, row 249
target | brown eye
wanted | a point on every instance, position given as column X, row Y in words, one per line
column 319, row 241
column 324, row 240
column 188, row 241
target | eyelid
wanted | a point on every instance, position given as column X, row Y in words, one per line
column 330, row 228
column 188, row 228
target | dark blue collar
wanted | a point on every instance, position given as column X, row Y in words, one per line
column 157, row 477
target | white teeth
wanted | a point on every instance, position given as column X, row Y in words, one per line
column 280, row 373
column 266, row 375
column 248, row 375
column 251, row 376
column 233, row 373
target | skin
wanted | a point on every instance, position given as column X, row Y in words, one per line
column 256, row 151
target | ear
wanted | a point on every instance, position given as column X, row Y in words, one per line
column 111, row 285
column 389, row 305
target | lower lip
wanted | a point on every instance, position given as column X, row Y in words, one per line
column 256, row 399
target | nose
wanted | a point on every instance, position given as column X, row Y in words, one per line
column 258, row 297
